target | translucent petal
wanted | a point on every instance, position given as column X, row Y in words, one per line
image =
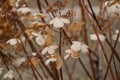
column 69, row 51
column 84, row 49
column 58, row 24
column 44, row 51
column 24, row 10
column 51, row 50
column 53, row 21
column 5, row 76
column 76, row 46
column 54, row 46
column 67, row 21
column 67, row 56
column 50, row 60
column 93, row 37
column 10, row 76
column 13, row 41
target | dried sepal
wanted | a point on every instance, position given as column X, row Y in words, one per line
column 75, row 55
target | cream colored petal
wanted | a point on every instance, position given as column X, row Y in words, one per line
column 76, row 46
column 13, row 41
column 93, row 37
column 53, row 21
column 5, row 76
column 10, row 76
column 84, row 49
column 44, row 51
column 58, row 24
column 51, row 51
column 24, row 10
column 54, row 46
column 67, row 56
column 50, row 60
column 67, row 21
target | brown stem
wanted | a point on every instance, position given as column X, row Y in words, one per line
column 60, row 43
column 96, row 32
column 85, row 68
column 112, row 55
column 40, row 9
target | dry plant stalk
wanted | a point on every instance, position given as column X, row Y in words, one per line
column 48, row 44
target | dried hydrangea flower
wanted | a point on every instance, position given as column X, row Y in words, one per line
column 50, row 60
column 94, row 37
column 50, row 49
column 8, row 75
column 76, row 46
column 59, row 22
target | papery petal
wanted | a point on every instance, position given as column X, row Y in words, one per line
column 35, row 34
column 76, row 42
column 24, row 10
column 54, row 46
column 84, row 49
column 13, row 41
column 58, row 24
column 34, row 53
column 53, row 21
column 69, row 51
column 44, row 51
column 114, row 37
column 51, row 50
column 67, row 21
column 67, row 56
column 50, row 60
column 10, row 71
column 102, row 38
column 94, row 37
column 1, row 69
column 117, row 31
column 10, row 76
column 5, row 76
column 76, row 46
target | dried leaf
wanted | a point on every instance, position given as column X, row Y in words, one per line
column 76, row 26
column 49, row 39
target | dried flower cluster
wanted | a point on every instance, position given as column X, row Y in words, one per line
column 40, row 43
